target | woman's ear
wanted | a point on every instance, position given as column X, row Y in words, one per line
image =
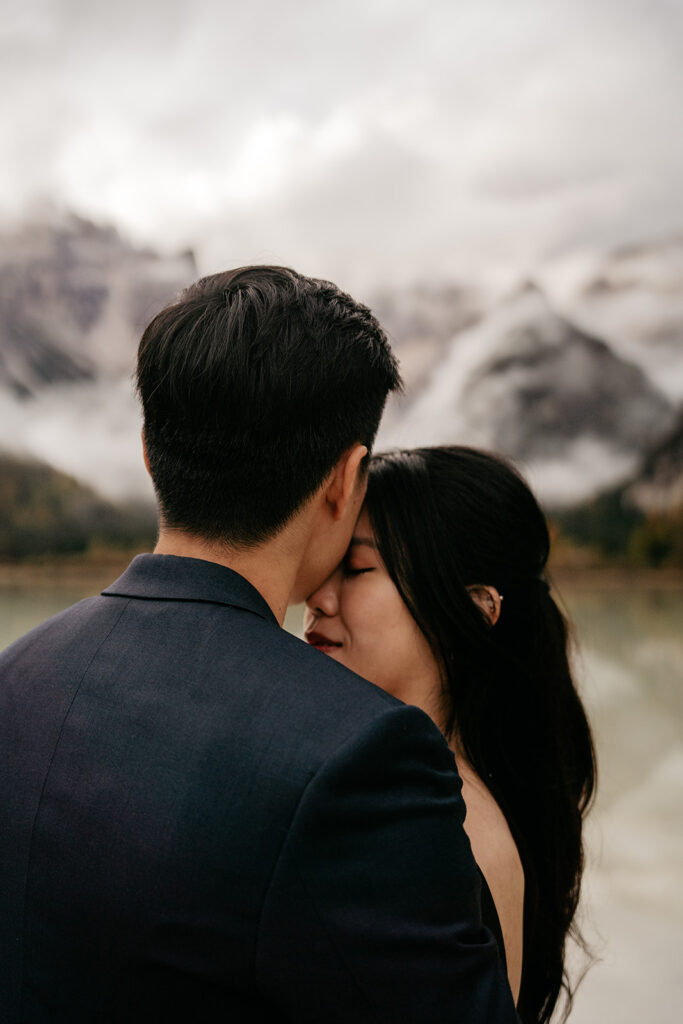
column 488, row 600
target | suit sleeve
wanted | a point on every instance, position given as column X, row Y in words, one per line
column 373, row 911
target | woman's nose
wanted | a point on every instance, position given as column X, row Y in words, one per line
column 325, row 600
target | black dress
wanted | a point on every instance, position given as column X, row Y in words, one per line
column 489, row 916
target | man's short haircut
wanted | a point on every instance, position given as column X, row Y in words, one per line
column 253, row 384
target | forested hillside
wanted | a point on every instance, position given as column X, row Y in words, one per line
column 45, row 512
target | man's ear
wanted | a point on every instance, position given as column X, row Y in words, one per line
column 488, row 600
column 144, row 452
column 344, row 483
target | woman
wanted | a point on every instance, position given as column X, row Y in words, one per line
column 441, row 600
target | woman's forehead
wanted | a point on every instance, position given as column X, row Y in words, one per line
column 362, row 534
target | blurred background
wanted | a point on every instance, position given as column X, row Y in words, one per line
column 502, row 184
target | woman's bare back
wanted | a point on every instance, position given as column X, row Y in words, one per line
column 496, row 854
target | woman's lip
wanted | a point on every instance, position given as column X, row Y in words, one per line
column 323, row 643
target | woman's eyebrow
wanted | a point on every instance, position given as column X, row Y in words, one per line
column 366, row 541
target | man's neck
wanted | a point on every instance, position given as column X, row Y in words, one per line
column 271, row 567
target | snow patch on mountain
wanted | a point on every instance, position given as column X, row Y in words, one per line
column 527, row 383
column 634, row 301
column 74, row 298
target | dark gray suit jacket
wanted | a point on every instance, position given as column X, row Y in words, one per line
column 203, row 819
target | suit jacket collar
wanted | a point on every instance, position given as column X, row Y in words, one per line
column 170, row 578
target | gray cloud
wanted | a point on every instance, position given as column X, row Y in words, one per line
column 365, row 141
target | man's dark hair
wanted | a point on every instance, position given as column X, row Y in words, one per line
column 253, row 384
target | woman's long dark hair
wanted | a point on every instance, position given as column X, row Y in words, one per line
column 451, row 517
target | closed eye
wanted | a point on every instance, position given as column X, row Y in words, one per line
column 357, row 572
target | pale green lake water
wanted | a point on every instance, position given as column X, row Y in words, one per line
column 631, row 671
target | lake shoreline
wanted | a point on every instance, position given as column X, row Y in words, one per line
column 616, row 577
column 96, row 573
column 99, row 571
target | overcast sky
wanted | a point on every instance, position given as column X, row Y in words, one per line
column 365, row 140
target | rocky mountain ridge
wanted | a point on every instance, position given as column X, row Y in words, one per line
column 525, row 374
column 526, row 382
column 73, row 299
column 634, row 301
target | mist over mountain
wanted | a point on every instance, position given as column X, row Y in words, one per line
column 640, row 521
column 657, row 487
column 577, row 391
column 43, row 511
column 74, row 299
column 526, row 382
column 421, row 322
column 634, row 301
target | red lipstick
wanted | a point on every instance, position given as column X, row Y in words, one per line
column 321, row 642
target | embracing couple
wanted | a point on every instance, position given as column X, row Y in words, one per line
column 203, row 818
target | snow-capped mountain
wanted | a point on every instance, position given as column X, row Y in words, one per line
column 526, row 382
column 74, row 298
column 577, row 388
column 633, row 299
column 421, row 321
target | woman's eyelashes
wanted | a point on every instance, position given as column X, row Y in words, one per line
column 350, row 570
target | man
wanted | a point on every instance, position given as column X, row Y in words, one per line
column 204, row 819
